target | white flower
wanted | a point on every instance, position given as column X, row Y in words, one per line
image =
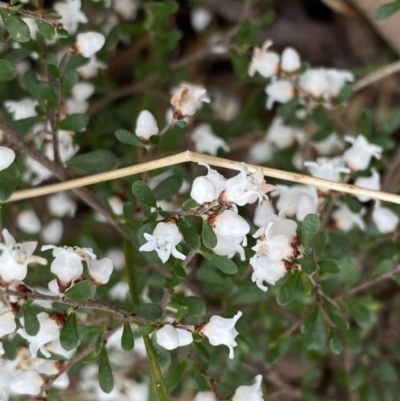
column 126, row 9
column 100, row 270
column 28, row 221
column 21, row 109
column 119, row 292
column 230, row 224
column 49, row 331
column 247, row 393
column 90, row 69
column 165, row 238
column 205, row 396
column 262, row 212
column 265, row 62
column 146, row 125
column 226, row 108
column 71, row 14
column 229, row 246
column 52, row 231
column 170, row 338
column 344, row 219
column 336, row 80
column 283, row 136
column 200, row 18
column 359, row 155
column 206, row 141
column 118, row 258
column 89, row 43
column 78, row 103
column 27, row 382
column 187, row 99
column 314, row 83
column 207, row 188
column 330, row 145
column 7, row 324
column 261, row 152
column 280, row 91
column 384, row 218
column 371, row 182
column 221, row 331
column 246, row 187
column 267, row 270
column 61, row 205
column 67, row 263
column 7, row 157
column 328, row 169
column 116, row 204
column 290, row 62
column 15, row 258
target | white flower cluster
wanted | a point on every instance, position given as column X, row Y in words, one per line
column 314, row 86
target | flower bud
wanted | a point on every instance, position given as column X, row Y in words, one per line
column 246, row 393
column 290, row 62
column 187, row 99
column 170, row 338
column 146, row 125
column 265, row 62
column 385, row 219
column 371, row 182
column 7, row 157
column 89, row 43
column 280, row 91
column 229, row 224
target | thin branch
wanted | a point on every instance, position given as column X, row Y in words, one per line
column 211, row 160
column 31, row 14
column 376, row 76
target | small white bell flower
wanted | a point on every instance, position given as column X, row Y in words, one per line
column 49, row 331
column 247, row 393
column 200, row 18
column 291, row 61
column 91, row 69
column 206, row 141
column 384, row 218
column 29, row 222
column 116, row 205
column 15, row 258
column 126, row 9
column 221, row 331
column 21, row 109
column 165, row 238
column 7, row 156
column 230, row 224
column 205, row 396
column 7, row 324
column 61, row 205
column 146, row 125
column 359, row 155
column 207, row 188
column 336, row 80
column 52, row 231
column 262, row 212
column 261, row 152
column 27, row 382
column 170, row 337
column 78, row 103
column 187, row 99
column 265, row 62
column 280, row 91
column 67, row 264
column 246, row 187
column 330, row 145
column 344, row 219
column 99, row 270
column 283, row 136
column 229, row 247
column 71, row 14
column 372, row 182
column 314, row 83
column 266, row 270
column 89, row 43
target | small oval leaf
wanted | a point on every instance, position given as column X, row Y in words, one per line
column 8, row 71
column 288, row 289
column 94, row 162
column 127, row 340
column 106, row 378
column 74, row 122
column 309, row 227
column 31, row 322
column 308, row 266
column 69, row 333
column 222, row 263
column 329, row 266
column 208, row 236
column 143, row 193
column 128, row 138
column 81, row 291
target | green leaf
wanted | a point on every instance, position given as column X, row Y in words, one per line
column 308, row 266
column 329, row 266
column 74, row 122
column 143, row 193
column 190, row 236
column 335, row 344
column 70, row 79
column 288, row 289
column 181, row 313
column 315, row 330
column 208, row 236
column 98, row 161
column 195, row 305
column 335, row 316
column 46, row 30
column 345, row 94
column 31, row 322
column 15, row 26
column 167, row 188
column 173, row 379
column 148, row 311
column 144, row 330
column 69, row 333
column 386, row 10
column 127, row 340
column 309, row 227
column 81, row 291
column 106, row 378
column 8, row 181
column 9, row 349
column 190, row 204
column 162, row 355
column 128, row 138
column 222, row 263
column 8, row 71
column 365, row 318
column 201, row 380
